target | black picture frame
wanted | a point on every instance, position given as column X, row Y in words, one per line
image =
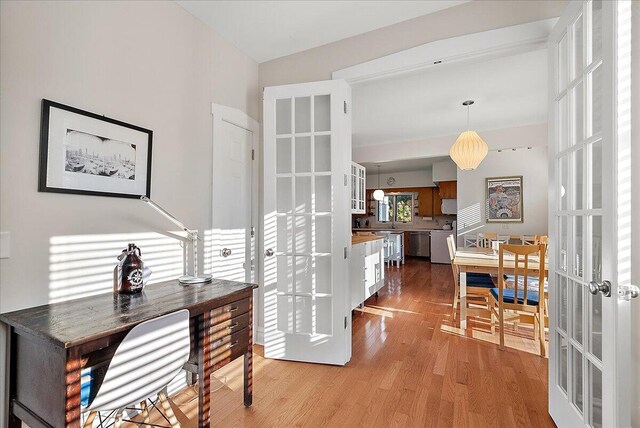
column 43, row 185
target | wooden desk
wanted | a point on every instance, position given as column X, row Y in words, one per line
column 482, row 260
column 49, row 345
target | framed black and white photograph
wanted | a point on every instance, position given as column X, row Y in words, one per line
column 85, row 153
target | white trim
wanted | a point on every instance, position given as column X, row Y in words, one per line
column 455, row 50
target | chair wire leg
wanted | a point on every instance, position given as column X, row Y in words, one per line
column 168, row 410
column 89, row 422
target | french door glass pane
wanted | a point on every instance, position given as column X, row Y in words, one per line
column 283, row 155
column 596, row 174
column 595, row 342
column 562, row 361
column 323, row 281
column 322, row 153
column 595, row 395
column 303, row 274
column 576, row 311
column 323, row 194
column 595, row 84
column 303, row 114
column 322, row 113
column 563, row 121
column 285, row 234
column 576, row 378
column 562, row 301
column 562, row 64
column 578, row 179
column 285, row 274
column 563, row 240
column 283, row 116
column 596, row 31
column 564, row 182
column 303, row 234
column 578, row 113
column 303, row 154
column 577, row 47
column 303, row 195
column 578, row 259
column 596, row 248
column 284, row 201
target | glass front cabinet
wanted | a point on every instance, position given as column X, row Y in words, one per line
column 358, row 189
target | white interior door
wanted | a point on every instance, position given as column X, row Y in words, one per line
column 589, row 217
column 233, row 209
column 307, row 216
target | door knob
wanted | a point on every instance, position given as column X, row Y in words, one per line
column 603, row 287
column 226, row 252
column 268, row 252
column 628, row 292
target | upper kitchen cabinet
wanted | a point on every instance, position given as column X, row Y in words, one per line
column 358, row 189
column 448, row 189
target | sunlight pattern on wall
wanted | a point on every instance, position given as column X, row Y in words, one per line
column 82, row 265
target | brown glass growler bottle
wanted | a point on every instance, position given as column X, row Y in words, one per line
column 131, row 268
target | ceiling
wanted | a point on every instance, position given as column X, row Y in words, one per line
column 266, row 30
column 508, row 91
column 406, row 165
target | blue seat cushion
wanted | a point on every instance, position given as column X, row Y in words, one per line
column 508, row 296
column 479, row 280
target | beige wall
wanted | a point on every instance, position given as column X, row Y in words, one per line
column 151, row 64
column 472, row 17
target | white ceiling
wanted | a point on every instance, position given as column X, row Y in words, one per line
column 406, row 165
column 266, row 30
column 508, row 91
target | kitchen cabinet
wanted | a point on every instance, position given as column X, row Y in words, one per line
column 366, row 269
column 358, row 189
column 425, row 202
column 437, row 203
column 448, row 189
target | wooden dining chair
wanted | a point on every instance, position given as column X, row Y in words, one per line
column 484, row 239
column 518, row 295
column 541, row 239
column 478, row 284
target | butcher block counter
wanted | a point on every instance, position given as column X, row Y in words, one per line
column 360, row 239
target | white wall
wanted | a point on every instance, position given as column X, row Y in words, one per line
column 151, row 64
column 532, row 165
column 420, row 178
column 446, row 170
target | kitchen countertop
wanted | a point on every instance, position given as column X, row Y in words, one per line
column 355, row 240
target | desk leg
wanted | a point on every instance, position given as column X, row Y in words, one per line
column 463, row 299
column 204, row 370
column 248, row 361
column 13, row 421
column 72, row 396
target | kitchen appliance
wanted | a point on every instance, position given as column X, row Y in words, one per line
column 439, row 248
column 449, row 206
column 419, row 244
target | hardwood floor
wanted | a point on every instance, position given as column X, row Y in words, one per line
column 410, row 367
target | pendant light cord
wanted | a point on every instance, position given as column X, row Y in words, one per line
column 378, row 176
column 468, row 106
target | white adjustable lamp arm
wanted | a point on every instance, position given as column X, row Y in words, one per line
column 192, row 234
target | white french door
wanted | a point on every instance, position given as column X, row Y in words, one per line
column 307, row 154
column 589, row 218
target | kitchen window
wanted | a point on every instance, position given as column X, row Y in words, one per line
column 396, row 208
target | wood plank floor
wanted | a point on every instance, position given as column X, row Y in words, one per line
column 410, row 368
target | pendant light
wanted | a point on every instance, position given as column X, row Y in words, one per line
column 378, row 195
column 469, row 149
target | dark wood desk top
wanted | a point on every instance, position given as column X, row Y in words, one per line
column 74, row 322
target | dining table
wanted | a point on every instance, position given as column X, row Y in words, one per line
column 485, row 260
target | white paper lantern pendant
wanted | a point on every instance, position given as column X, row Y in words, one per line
column 469, row 149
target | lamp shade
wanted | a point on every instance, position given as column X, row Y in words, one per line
column 378, row 195
column 468, row 150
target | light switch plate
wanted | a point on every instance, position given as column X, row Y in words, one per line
column 5, row 245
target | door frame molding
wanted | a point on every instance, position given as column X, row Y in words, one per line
column 242, row 120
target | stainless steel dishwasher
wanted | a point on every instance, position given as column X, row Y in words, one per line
column 419, row 244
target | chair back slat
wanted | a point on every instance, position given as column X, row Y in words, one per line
column 452, row 255
column 522, row 254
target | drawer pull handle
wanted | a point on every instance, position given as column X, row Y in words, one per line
column 231, row 345
column 233, row 309
column 232, row 326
